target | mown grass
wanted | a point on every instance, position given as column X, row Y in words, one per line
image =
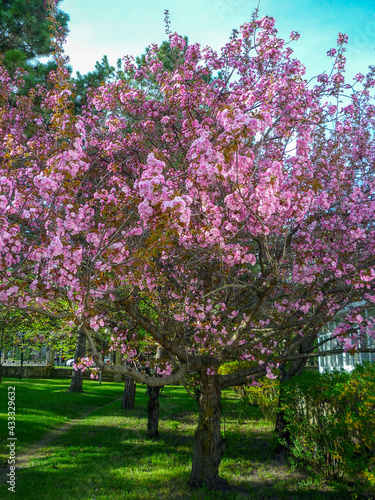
column 108, row 456
column 42, row 405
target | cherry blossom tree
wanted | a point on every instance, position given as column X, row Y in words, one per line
column 234, row 198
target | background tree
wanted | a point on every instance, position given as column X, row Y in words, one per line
column 25, row 36
column 80, row 352
column 25, row 331
column 25, row 27
column 102, row 74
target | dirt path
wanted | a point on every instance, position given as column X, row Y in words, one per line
column 36, row 450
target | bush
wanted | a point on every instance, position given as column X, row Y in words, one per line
column 331, row 420
column 265, row 395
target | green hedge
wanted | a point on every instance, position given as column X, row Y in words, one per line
column 331, row 420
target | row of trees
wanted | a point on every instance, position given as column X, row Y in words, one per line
column 219, row 208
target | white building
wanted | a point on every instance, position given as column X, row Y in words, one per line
column 341, row 361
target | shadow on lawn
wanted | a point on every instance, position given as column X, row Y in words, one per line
column 113, row 459
column 114, row 462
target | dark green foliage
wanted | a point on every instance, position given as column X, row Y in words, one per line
column 331, row 418
column 25, row 36
column 24, row 28
column 103, row 73
column 167, row 55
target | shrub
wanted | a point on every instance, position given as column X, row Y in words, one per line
column 265, row 394
column 331, row 419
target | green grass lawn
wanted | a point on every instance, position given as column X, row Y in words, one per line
column 107, row 455
column 42, row 405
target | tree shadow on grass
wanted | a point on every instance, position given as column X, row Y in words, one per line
column 252, row 461
column 93, row 461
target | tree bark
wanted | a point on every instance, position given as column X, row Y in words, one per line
column 128, row 397
column 117, row 377
column 153, row 412
column 77, row 375
column 209, row 445
column 51, row 357
column 21, row 364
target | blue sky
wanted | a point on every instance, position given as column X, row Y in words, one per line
column 119, row 27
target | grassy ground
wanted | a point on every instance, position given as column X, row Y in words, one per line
column 42, row 405
column 106, row 454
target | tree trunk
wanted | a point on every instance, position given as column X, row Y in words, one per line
column 21, row 367
column 281, row 424
column 77, row 375
column 128, row 397
column 153, row 412
column 51, row 357
column 117, row 377
column 209, row 446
